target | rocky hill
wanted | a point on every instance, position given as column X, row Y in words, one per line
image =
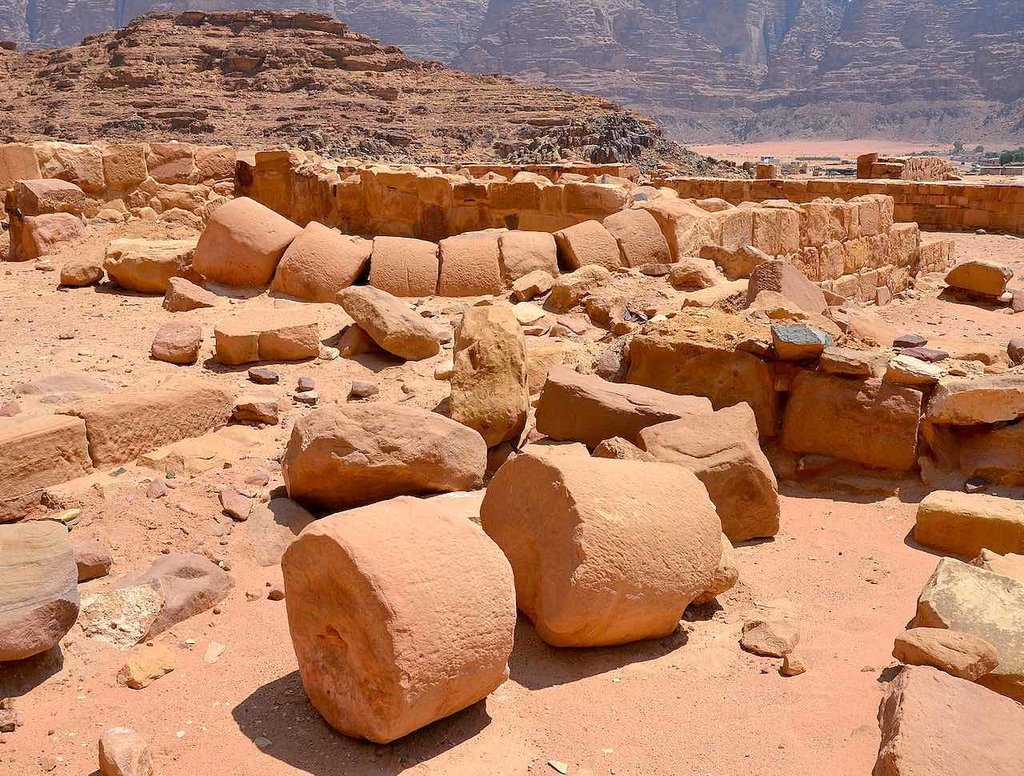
column 754, row 69
column 255, row 78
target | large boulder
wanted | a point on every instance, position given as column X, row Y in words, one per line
column 242, row 244
column 37, row 451
column 639, row 238
column 722, row 449
column 585, row 408
column 320, row 262
column 587, row 243
column 699, row 358
column 604, row 551
column 968, row 401
column 48, row 195
column 980, row 276
column 345, row 456
column 391, row 323
column 489, row 380
column 869, row 422
column 994, row 454
column 123, row 426
column 284, row 334
column 35, row 236
column 189, row 584
column 959, row 654
column 783, row 278
column 989, row 605
column 523, row 253
column 404, row 266
column 934, row 724
column 469, row 265
column 965, row 523
column 147, row 266
column 400, row 613
column 38, row 588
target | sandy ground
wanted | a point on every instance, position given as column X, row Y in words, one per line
column 694, row 703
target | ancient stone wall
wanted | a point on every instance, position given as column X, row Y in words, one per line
column 940, row 206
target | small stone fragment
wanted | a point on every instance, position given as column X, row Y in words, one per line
column 123, row 752
column 263, row 375
column 92, row 558
column 769, row 639
column 235, row 505
column 145, row 666
column 363, row 389
column 177, row 343
column 792, row 666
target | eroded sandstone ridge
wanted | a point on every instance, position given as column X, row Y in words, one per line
column 258, row 77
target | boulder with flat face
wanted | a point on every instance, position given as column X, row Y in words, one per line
column 279, row 334
column 722, row 449
column 585, row 408
column 489, row 380
column 348, row 455
column 604, row 551
column 404, row 266
column 242, row 244
column 587, row 243
column 523, row 253
column 391, row 323
column 933, row 723
column 986, row 278
column 965, row 523
column 35, row 236
column 639, row 238
column 400, row 613
column 469, row 265
column 570, row 289
column 147, row 266
column 783, row 278
column 988, row 605
column 38, row 588
column 959, row 654
column 320, row 262
column 177, row 343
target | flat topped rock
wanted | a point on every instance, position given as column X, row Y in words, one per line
column 979, row 276
column 909, row 341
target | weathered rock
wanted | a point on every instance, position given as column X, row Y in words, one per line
column 966, row 598
column 242, row 244
column 783, row 278
column 966, row 401
column 569, row 290
column 726, row 575
column 256, row 408
column 868, row 422
column 177, row 343
column 907, row 370
column 79, row 273
column 848, row 362
column 37, row 451
column 928, row 355
column 1009, row 565
column 489, row 380
column 523, row 254
column 391, row 323
column 92, row 559
column 959, row 654
column 722, row 449
column 965, row 523
column 38, row 588
column 622, row 450
column 48, row 195
column 775, row 638
column 587, row 243
column 585, row 408
column 469, row 265
column 145, row 666
column 147, row 266
column 379, row 657
column 531, row 285
column 354, row 454
column 262, row 375
column 123, row 426
column 933, row 723
column 120, row 617
column 190, row 584
column 123, row 752
column 285, row 334
column 32, row 237
column 403, row 266
column 692, row 274
column 320, row 262
column 183, row 295
column 234, row 504
column 639, row 238
column 799, row 342
column 980, row 277
column 604, row 552
column 355, row 341
column 909, row 341
column 1015, row 351
column 736, row 263
column 272, row 527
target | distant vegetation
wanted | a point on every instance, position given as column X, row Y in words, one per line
column 1013, row 156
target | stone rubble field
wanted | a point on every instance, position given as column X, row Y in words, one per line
column 277, row 499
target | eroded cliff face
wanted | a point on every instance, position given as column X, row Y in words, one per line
column 924, row 69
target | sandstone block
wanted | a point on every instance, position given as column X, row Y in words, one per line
column 280, row 334
column 37, row 451
column 966, row 598
column 869, row 422
column 123, row 752
column 391, row 323
column 971, row 401
column 48, row 195
column 403, row 266
column 489, row 381
column 959, row 654
column 722, row 449
column 272, row 527
column 242, row 244
column 604, row 552
column 79, row 273
column 568, row 290
column 144, row 666
column 986, row 278
column 147, row 266
column 930, row 726
column 35, row 236
column 346, row 456
column 92, row 559
column 639, row 238
column 124, row 166
column 215, row 163
column 469, row 265
column 585, row 408
column 587, row 243
column 183, row 295
column 320, row 262
column 401, row 613
column 532, row 285
column 74, row 162
column 965, row 523
column 172, row 163
column 38, row 588
column 123, row 426
column 177, row 343
column 524, row 253
column 783, row 278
